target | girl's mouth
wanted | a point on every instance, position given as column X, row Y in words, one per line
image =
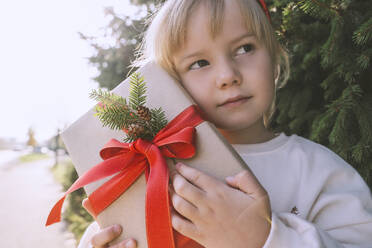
column 236, row 103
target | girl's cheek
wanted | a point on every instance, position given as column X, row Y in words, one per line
column 195, row 78
column 247, row 61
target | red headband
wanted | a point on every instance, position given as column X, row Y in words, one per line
column 263, row 5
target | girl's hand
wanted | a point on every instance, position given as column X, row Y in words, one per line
column 108, row 234
column 215, row 214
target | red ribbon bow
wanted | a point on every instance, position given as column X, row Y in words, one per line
column 129, row 161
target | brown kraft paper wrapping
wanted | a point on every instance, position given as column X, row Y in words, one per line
column 86, row 137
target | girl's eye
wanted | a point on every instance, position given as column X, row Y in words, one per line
column 244, row 49
column 199, row 63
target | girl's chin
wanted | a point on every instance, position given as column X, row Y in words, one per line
column 233, row 128
column 241, row 125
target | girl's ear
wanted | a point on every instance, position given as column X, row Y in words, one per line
column 276, row 73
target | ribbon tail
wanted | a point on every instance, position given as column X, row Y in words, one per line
column 116, row 186
column 101, row 170
column 158, row 219
column 55, row 213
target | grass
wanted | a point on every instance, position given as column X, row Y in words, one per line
column 32, row 157
column 61, row 171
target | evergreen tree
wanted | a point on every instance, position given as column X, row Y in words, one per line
column 328, row 98
column 113, row 62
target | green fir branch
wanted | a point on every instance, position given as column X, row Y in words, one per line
column 107, row 98
column 159, row 120
column 322, row 126
column 128, row 139
column 137, row 93
column 114, row 112
column 113, row 117
column 364, row 33
column 318, row 9
column 348, row 99
column 364, row 59
column 112, row 109
column 328, row 54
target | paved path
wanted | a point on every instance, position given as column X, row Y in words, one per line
column 27, row 192
column 9, row 157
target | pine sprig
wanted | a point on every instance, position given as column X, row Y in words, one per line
column 134, row 118
column 108, row 99
column 318, row 9
column 364, row 33
column 159, row 120
column 112, row 110
column 137, row 90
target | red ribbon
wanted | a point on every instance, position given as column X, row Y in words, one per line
column 129, row 161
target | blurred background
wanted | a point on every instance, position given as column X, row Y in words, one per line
column 53, row 53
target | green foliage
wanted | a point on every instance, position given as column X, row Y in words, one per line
column 317, row 9
column 75, row 215
column 159, row 120
column 364, row 33
column 327, row 98
column 108, row 98
column 114, row 112
column 32, row 157
column 137, row 91
column 113, row 61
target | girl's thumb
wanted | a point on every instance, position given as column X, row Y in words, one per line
column 88, row 206
column 246, row 182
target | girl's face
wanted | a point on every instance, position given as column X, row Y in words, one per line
column 234, row 64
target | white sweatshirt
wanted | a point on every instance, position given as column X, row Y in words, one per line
column 317, row 199
column 334, row 203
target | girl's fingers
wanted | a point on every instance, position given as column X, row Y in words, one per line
column 196, row 177
column 186, row 190
column 248, row 183
column 128, row 243
column 182, row 206
column 184, row 226
column 105, row 236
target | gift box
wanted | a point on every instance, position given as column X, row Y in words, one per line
column 86, row 137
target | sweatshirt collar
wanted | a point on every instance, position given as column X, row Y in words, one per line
column 267, row 146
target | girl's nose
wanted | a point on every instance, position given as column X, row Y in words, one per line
column 227, row 75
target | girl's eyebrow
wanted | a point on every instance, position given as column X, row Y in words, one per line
column 190, row 56
column 239, row 38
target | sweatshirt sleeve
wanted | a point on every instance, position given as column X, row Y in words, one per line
column 91, row 230
column 339, row 210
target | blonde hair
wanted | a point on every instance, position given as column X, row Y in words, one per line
column 166, row 33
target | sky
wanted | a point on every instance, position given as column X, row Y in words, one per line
column 45, row 76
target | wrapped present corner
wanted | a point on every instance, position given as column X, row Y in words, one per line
column 136, row 196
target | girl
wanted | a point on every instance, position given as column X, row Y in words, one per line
column 297, row 193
